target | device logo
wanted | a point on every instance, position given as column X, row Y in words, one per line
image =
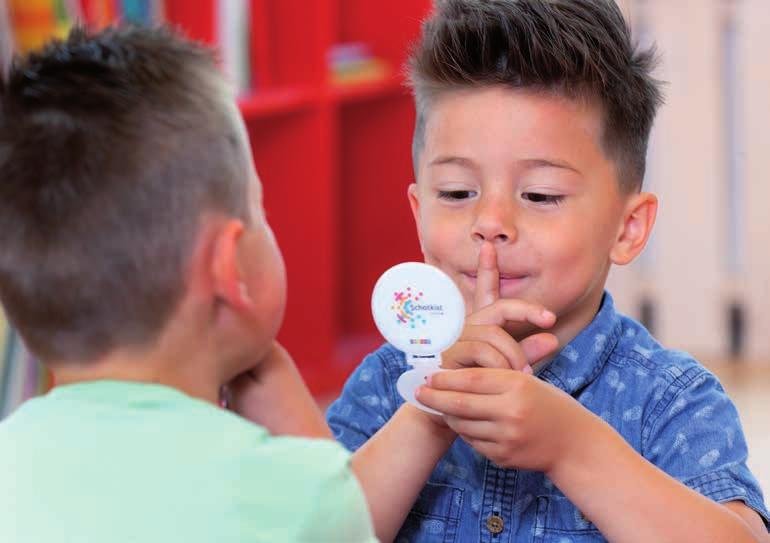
column 412, row 312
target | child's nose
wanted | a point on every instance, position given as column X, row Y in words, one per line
column 494, row 222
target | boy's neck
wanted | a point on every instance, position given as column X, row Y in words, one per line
column 182, row 373
column 571, row 324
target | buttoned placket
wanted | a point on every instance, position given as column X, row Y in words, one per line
column 496, row 519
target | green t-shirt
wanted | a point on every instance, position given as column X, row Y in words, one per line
column 114, row 462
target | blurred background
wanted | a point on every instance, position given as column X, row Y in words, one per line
column 321, row 91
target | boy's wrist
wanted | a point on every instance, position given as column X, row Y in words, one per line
column 434, row 424
column 583, row 448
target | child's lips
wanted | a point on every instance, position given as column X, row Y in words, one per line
column 510, row 284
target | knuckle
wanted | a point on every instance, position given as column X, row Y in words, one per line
column 458, row 403
column 498, row 333
column 502, row 362
column 510, row 422
column 479, row 350
column 474, row 378
column 517, row 385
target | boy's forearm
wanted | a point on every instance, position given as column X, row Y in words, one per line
column 630, row 500
column 275, row 396
column 394, row 465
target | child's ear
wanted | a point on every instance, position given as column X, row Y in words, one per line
column 414, row 203
column 229, row 285
column 638, row 218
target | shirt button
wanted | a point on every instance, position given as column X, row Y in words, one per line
column 495, row 524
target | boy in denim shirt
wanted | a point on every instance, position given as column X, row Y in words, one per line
column 532, row 124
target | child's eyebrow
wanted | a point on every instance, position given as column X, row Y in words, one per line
column 457, row 160
column 526, row 163
column 533, row 163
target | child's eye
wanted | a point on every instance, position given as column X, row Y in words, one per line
column 539, row 198
column 456, row 194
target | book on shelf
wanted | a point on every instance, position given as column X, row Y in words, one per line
column 147, row 12
column 354, row 63
column 31, row 23
column 22, row 376
column 6, row 39
column 34, row 22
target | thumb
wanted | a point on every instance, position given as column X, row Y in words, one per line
column 539, row 346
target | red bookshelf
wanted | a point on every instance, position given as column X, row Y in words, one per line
column 391, row 86
column 335, row 162
column 265, row 103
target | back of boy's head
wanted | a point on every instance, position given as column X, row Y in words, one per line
column 579, row 49
column 113, row 146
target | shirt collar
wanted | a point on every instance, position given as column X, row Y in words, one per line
column 114, row 392
column 583, row 358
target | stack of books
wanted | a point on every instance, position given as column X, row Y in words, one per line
column 31, row 23
column 354, row 63
column 101, row 13
column 34, row 22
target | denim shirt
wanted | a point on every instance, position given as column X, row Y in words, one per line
column 665, row 404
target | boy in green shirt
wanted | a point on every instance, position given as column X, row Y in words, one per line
column 136, row 262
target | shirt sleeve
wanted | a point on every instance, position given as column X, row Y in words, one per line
column 304, row 490
column 695, row 435
column 367, row 402
column 341, row 513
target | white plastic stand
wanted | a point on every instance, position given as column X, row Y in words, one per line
column 420, row 311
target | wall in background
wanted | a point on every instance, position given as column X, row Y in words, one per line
column 703, row 284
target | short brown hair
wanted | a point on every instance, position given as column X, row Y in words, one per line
column 112, row 147
column 574, row 48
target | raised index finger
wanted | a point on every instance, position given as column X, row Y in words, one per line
column 487, row 278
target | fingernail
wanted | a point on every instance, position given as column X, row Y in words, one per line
column 548, row 314
column 528, row 370
column 428, row 379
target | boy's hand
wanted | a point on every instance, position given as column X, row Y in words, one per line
column 247, row 393
column 273, row 394
column 512, row 418
column 484, row 342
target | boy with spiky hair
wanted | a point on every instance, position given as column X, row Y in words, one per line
column 136, row 262
column 533, row 118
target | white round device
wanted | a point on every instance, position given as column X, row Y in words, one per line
column 420, row 311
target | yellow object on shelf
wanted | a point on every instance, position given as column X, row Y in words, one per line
column 360, row 72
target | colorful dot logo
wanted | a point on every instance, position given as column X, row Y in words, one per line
column 404, row 308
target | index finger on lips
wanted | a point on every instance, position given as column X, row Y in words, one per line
column 487, row 277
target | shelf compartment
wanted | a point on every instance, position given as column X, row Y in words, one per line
column 357, row 92
column 264, row 103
